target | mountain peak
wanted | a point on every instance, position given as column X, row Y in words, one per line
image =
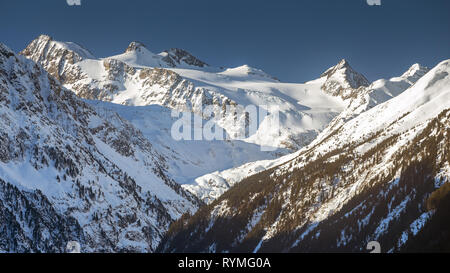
column 55, row 55
column 135, row 46
column 246, row 70
column 342, row 65
column 342, row 80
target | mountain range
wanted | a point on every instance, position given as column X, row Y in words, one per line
column 87, row 154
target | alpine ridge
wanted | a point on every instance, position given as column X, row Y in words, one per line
column 67, row 174
column 177, row 80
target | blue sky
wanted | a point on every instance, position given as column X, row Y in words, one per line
column 293, row 40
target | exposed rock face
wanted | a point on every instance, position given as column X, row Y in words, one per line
column 342, row 80
column 29, row 223
column 140, row 78
column 176, row 56
column 67, row 173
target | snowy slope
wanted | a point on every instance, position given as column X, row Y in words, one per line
column 139, row 55
column 186, row 159
column 367, row 154
column 367, row 180
column 93, row 180
column 177, row 80
column 383, row 90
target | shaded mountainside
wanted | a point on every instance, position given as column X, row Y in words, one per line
column 368, row 180
column 177, row 80
column 67, row 173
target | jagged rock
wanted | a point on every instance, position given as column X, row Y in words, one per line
column 135, row 46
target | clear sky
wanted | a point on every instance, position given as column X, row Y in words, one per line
column 293, row 40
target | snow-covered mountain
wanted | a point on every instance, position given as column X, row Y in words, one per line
column 177, row 80
column 366, row 156
column 341, row 80
column 139, row 77
column 69, row 174
column 368, row 179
